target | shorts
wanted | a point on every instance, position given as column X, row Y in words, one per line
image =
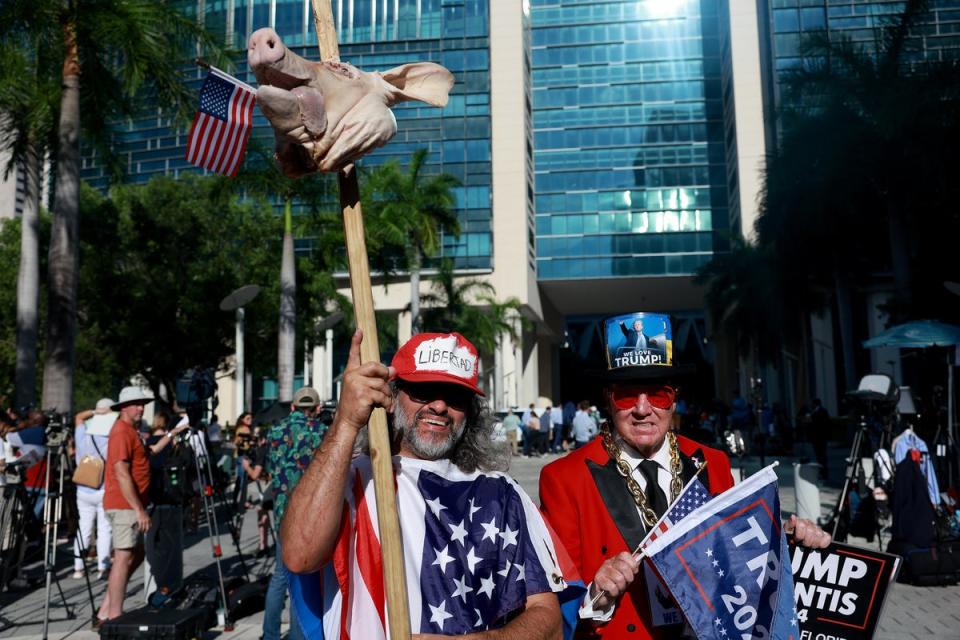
column 126, row 529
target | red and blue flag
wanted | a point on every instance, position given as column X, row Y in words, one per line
column 220, row 130
column 727, row 566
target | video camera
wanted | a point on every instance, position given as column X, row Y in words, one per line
column 56, row 428
column 246, row 442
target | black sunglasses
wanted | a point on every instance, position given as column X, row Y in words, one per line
column 454, row 395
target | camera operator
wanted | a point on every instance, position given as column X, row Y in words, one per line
column 127, row 481
column 28, row 439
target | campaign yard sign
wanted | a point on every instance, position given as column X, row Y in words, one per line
column 840, row 590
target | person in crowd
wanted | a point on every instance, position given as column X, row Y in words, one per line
column 556, row 426
column 126, row 483
column 820, row 434
column 451, row 490
column 292, row 443
column 214, row 438
column 243, row 445
column 578, row 494
column 584, row 428
column 511, row 427
column 90, row 500
column 532, row 436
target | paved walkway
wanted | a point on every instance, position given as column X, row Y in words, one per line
column 911, row 613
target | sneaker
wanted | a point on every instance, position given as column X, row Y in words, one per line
column 77, row 575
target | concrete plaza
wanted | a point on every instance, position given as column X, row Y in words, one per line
column 910, row 612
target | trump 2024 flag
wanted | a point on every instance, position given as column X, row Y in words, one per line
column 220, row 130
column 475, row 548
column 727, row 565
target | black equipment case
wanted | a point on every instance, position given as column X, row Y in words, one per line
column 155, row 624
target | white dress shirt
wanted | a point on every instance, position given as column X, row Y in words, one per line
column 633, row 460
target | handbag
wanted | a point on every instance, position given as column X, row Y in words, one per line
column 89, row 473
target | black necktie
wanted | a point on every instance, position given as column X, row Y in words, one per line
column 656, row 498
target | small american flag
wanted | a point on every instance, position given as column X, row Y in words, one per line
column 221, row 128
column 694, row 495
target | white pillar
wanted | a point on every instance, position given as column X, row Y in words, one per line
column 306, row 363
column 405, row 327
column 239, row 374
column 328, row 367
column 319, row 375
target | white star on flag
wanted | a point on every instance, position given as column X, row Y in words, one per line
column 709, row 552
column 522, row 572
column 479, row 621
column 443, row 559
column 472, row 560
column 486, row 586
column 458, row 532
column 473, row 509
column 505, row 571
column 490, row 530
column 439, row 615
column 462, row 589
column 435, row 506
column 509, row 537
column 720, row 573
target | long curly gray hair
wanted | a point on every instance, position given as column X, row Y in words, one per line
column 476, row 448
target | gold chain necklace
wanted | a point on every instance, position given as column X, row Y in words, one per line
column 676, row 484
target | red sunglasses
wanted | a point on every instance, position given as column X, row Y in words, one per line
column 660, row 396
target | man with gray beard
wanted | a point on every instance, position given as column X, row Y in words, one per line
column 479, row 558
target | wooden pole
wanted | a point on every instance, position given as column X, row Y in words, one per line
column 394, row 578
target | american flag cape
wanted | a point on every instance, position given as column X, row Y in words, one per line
column 727, row 565
column 475, row 547
column 220, row 130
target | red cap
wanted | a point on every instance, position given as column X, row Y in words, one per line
column 438, row 357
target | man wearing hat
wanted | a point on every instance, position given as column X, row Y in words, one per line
column 292, row 443
column 477, row 554
column 125, row 486
column 603, row 498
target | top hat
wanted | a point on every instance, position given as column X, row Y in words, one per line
column 639, row 347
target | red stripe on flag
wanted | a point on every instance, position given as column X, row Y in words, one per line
column 200, row 144
column 341, row 568
column 188, row 156
column 246, row 119
column 369, row 561
column 564, row 561
column 224, row 158
column 213, row 139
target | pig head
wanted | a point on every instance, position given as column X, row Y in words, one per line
column 325, row 115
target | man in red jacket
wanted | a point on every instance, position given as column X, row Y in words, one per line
column 604, row 497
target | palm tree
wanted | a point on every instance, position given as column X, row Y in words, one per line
column 470, row 307
column 411, row 209
column 27, row 104
column 896, row 113
column 119, row 48
column 313, row 193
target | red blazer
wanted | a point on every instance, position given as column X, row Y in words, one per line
column 587, row 502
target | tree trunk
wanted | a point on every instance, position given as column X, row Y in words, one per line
column 899, row 259
column 287, row 334
column 845, row 320
column 28, row 285
column 415, row 292
column 64, row 253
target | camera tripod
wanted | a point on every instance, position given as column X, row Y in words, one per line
column 854, row 473
column 57, row 458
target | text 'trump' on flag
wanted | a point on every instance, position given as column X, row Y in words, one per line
column 727, row 565
column 220, row 130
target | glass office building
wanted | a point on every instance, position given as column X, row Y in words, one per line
column 373, row 35
column 628, row 137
